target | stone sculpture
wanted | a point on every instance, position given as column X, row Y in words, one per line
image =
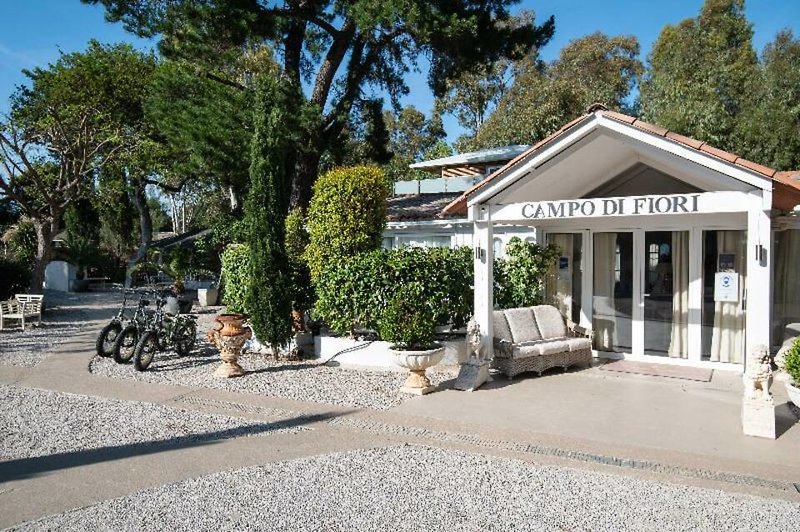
column 475, row 371
column 758, row 406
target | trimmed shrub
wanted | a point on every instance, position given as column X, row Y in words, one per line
column 15, row 277
column 302, row 291
column 357, row 290
column 235, row 275
column 791, row 362
column 519, row 278
column 408, row 320
column 346, row 216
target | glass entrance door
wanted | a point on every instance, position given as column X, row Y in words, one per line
column 612, row 301
column 665, row 293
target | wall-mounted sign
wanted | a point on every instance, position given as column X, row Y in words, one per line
column 563, row 263
column 655, row 205
column 632, row 205
column 727, row 262
column 726, row 286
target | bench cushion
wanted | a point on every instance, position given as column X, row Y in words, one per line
column 501, row 329
column 549, row 321
column 578, row 344
column 522, row 325
column 541, row 348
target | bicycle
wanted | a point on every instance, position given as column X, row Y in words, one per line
column 164, row 332
column 129, row 336
column 106, row 339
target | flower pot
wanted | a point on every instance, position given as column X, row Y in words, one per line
column 793, row 391
column 229, row 339
column 416, row 362
column 231, row 324
column 207, row 297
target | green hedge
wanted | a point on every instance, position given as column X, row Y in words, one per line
column 235, row 272
column 15, row 276
column 357, row 290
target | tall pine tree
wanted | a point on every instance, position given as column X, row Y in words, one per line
column 273, row 155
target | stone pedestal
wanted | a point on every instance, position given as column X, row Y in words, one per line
column 758, row 417
column 416, row 362
column 417, row 383
column 471, row 375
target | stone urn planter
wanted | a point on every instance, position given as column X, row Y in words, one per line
column 793, row 390
column 207, row 297
column 229, row 336
column 416, row 362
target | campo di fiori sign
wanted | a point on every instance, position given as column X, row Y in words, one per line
column 670, row 204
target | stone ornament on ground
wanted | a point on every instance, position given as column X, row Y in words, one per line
column 758, row 406
column 475, row 371
column 229, row 337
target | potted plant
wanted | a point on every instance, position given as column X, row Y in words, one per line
column 408, row 323
column 790, row 363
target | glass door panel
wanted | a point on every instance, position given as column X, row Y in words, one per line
column 612, row 302
column 723, row 321
column 564, row 281
column 666, row 293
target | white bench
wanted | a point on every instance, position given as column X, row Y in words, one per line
column 22, row 307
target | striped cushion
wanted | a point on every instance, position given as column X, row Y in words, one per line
column 550, row 322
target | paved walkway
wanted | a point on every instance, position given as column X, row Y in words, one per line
column 635, row 426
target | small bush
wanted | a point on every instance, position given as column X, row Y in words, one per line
column 519, row 278
column 346, row 216
column 15, row 277
column 235, row 276
column 299, row 275
column 791, row 361
column 408, row 320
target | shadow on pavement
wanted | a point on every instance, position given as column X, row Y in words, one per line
column 29, row 467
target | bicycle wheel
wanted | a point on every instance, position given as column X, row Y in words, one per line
column 126, row 344
column 185, row 337
column 145, row 350
column 105, row 340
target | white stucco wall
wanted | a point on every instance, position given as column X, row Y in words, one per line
column 58, row 274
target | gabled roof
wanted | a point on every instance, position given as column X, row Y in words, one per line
column 491, row 155
column 787, row 184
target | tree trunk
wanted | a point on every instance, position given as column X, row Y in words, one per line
column 145, row 228
column 45, row 229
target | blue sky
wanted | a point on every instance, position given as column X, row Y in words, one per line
column 33, row 31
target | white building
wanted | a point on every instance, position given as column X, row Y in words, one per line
column 672, row 250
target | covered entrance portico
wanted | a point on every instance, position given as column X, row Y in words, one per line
column 665, row 242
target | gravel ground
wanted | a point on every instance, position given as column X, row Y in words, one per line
column 64, row 316
column 303, row 381
column 40, row 423
column 419, row 488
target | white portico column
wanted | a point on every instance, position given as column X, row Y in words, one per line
column 483, row 251
column 758, row 284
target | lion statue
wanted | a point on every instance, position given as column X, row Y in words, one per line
column 757, row 376
column 475, row 346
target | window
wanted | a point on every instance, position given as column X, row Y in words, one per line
column 387, row 242
column 497, row 246
column 424, row 241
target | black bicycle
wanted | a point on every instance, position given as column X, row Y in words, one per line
column 126, row 340
column 164, row 332
column 108, row 335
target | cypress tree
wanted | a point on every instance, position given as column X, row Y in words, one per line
column 273, row 156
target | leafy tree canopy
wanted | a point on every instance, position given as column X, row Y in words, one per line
column 337, row 48
column 543, row 97
column 698, row 79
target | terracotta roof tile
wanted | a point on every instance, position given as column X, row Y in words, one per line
column 716, row 152
column 692, row 143
column 619, row 116
column 760, row 168
column 789, row 179
column 650, row 128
